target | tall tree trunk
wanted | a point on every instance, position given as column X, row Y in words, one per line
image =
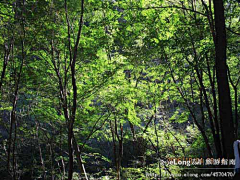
column 74, row 85
column 225, row 107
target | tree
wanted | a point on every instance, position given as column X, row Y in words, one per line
column 225, row 105
column 112, row 89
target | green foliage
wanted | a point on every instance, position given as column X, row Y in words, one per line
column 144, row 70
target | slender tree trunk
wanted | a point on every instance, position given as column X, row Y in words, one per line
column 114, row 144
column 201, row 108
column 236, row 111
column 13, row 114
column 7, row 52
column 14, row 159
column 79, row 159
column 120, row 151
column 156, row 133
column 70, row 156
column 51, row 157
column 40, row 152
column 212, row 82
column 74, row 86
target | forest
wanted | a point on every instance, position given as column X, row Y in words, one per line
column 119, row 89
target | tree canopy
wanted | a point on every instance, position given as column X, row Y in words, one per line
column 112, row 89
